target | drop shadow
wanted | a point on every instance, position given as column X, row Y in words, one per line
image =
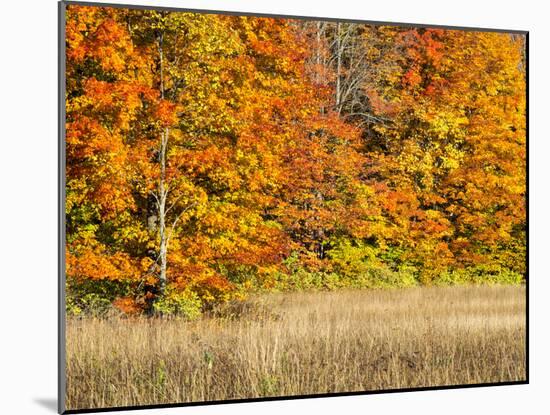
column 48, row 403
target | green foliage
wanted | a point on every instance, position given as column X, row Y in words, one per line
column 481, row 274
column 359, row 268
column 208, row 358
column 160, row 377
column 93, row 298
column 352, row 267
column 186, row 304
column 302, row 279
column 297, row 277
column 381, row 276
column 269, row 385
column 352, row 259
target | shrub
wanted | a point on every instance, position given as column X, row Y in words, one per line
column 91, row 304
column 489, row 274
column 297, row 277
column 351, row 259
column 359, row 268
column 381, row 276
column 302, row 279
column 93, row 298
column 186, row 304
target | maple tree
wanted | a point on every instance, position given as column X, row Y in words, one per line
column 456, row 140
column 209, row 156
column 103, row 106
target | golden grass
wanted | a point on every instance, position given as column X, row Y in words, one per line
column 302, row 343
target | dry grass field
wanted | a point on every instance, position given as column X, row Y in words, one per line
column 301, row 343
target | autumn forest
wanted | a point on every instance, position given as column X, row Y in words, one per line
column 209, row 157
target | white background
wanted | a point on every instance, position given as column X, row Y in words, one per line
column 28, row 188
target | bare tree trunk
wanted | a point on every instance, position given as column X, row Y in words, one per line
column 166, row 224
column 318, row 75
column 338, row 65
column 163, row 193
column 162, row 188
column 318, row 55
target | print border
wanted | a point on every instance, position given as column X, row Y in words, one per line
column 61, row 381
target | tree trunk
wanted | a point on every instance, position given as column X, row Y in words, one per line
column 319, row 78
column 338, row 65
column 163, row 193
column 162, row 188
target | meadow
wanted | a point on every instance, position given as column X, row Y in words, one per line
column 301, row 343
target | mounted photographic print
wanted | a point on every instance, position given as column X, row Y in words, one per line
column 269, row 207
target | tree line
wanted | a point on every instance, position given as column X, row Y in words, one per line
column 209, row 156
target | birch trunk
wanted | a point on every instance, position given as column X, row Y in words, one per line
column 338, row 65
column 163, row 193
column 162, row 187
column 319, row 75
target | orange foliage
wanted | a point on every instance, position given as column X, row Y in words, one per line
column 259, row 163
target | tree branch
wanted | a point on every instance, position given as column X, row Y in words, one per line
column 177, row 220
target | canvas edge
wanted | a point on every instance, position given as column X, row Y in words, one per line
column 527, row 256
column 61, row 205
column 288, row 16
column 61, row 374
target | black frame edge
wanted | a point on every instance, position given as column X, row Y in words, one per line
column 290, row 397
column 527, row 207
column 61, row 367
